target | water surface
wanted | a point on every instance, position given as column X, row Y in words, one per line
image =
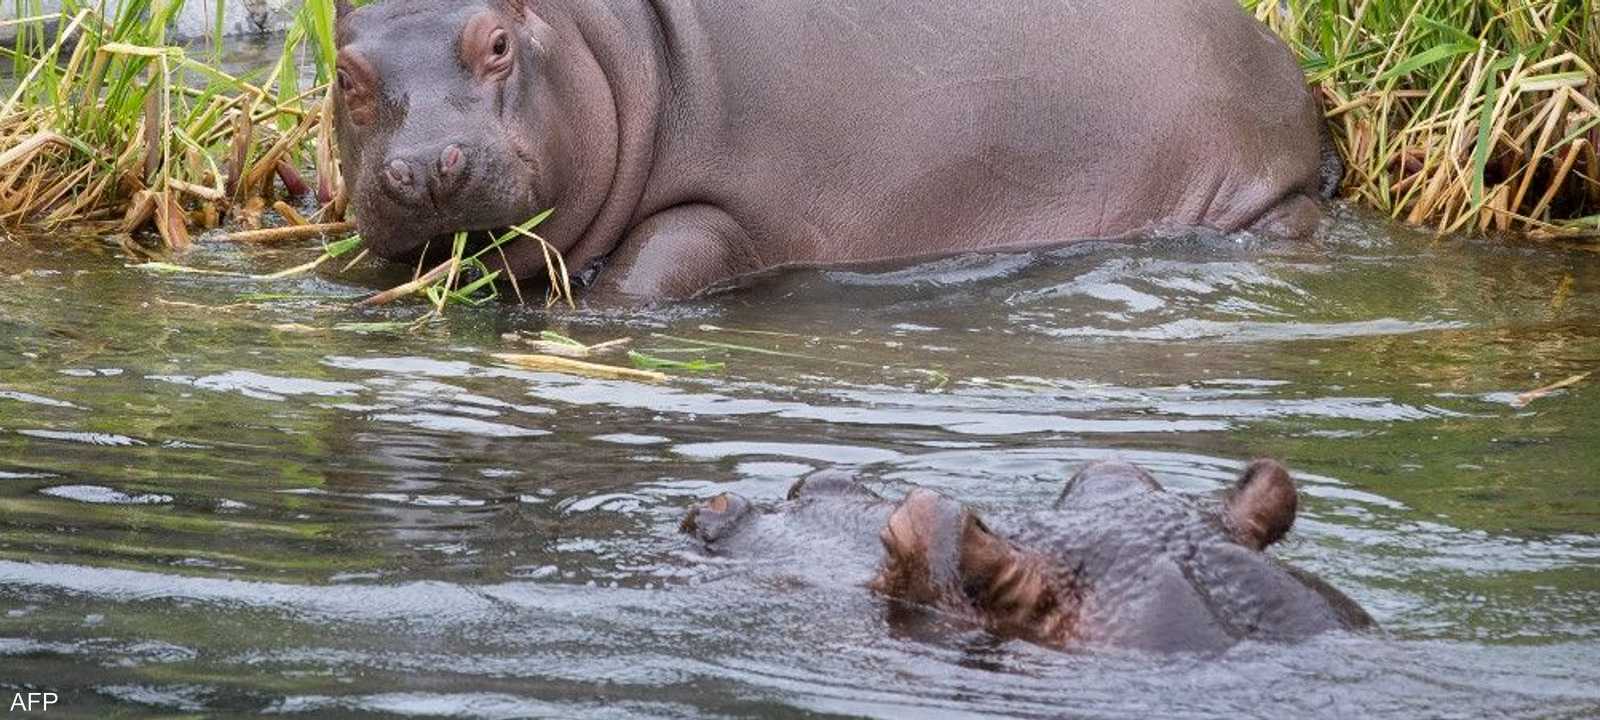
column 215, row 498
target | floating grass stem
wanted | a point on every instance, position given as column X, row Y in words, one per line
column 551, row 363
column 552, row 343
column 645, row 361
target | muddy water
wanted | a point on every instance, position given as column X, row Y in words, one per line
column 205, row 510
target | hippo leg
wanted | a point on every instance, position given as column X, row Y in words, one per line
column 676, row 253
column 1295, row 217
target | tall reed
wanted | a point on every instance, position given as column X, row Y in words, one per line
column 1459, row 114
column 110, row 124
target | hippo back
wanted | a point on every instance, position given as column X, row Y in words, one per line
column 1156, row 572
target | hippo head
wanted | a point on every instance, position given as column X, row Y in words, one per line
column 827, row 515
column 445, row 119
column 1118, row 560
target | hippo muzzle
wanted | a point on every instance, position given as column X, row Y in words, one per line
column 438, row 137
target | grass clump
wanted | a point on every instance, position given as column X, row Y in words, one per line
column 109, row 125
column 448, row 283
column 1459, row 114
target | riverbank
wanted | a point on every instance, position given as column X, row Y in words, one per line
column 115, row 127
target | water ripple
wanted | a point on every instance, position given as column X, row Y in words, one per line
column 99, row 495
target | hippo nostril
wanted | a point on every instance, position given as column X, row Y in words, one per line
column 450, row 160
column 717, row 518
column 399, row 172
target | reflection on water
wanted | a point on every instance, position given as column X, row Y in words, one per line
column 201, row 510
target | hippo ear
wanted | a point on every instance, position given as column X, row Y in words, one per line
column 342, row 10
column 1260, row 508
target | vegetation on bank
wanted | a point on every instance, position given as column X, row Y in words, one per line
column 112, row 129
column 1459, row 114
column 110, row 126
column 1452, row 114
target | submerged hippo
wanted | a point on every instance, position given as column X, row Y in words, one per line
column 1118, row 561
column 688, row 143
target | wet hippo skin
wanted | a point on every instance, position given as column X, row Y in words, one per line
column 686, row 144
column 1116, row 562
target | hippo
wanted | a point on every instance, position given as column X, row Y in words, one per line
column 1115, row 562
column 686, row 147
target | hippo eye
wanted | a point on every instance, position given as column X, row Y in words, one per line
column 501, row 44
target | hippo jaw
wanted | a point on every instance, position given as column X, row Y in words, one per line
column 438, row 137
column 941, row 555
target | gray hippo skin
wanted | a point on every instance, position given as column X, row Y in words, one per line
column 687, row 143
column 827, row 515
column 1117, row 562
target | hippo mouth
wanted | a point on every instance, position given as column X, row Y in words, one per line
column 490, row 249
column 402, row 230
column 477, row 239
column 393, row 241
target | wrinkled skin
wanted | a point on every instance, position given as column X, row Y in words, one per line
column 690, row 143
column 827, row 513
column 1117, row 562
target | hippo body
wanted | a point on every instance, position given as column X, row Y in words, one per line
column 1117, row 562
column 690, row 143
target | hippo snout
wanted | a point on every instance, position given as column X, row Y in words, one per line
column 425, row 178
column 717, row 518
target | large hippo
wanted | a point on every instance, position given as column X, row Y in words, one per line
column 1116, row 562
column 684, row 144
